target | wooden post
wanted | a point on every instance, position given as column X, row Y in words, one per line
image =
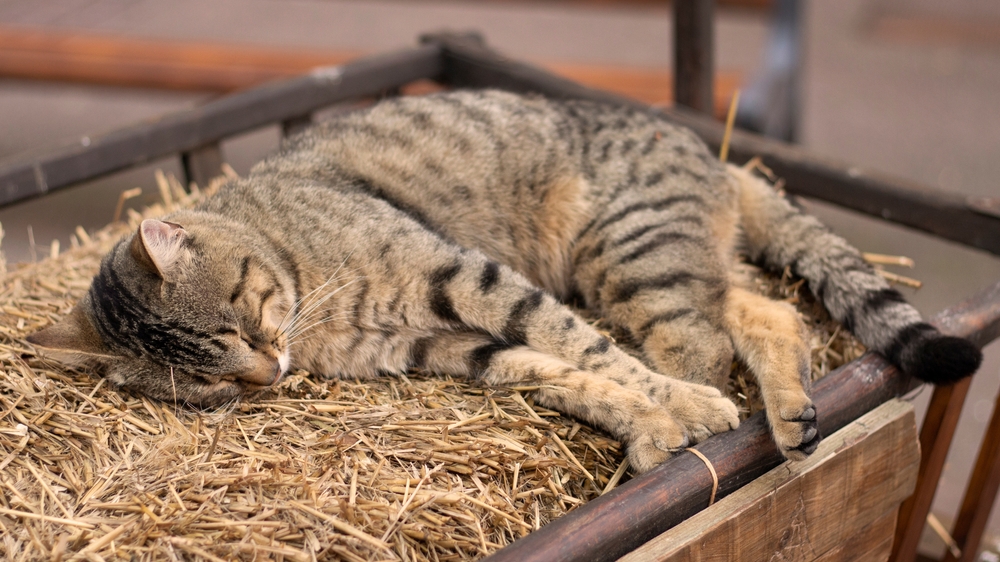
column 981, row 493
column 693, row 54
column 202, row 164
column 935, row 439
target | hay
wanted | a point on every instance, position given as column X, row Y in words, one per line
column 414, row 467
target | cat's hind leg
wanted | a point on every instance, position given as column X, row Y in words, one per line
column 648, row 430
column 768, row 336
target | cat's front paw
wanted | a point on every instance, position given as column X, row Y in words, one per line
column 655, row 438
column 794, row 425
column 702, row 410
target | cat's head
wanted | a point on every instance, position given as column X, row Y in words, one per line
column 193, row 313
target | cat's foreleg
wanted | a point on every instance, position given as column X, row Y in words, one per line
column 484, row 296
column 649, row 432
column 768, row 336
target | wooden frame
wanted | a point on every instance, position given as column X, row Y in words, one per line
column 622, row 520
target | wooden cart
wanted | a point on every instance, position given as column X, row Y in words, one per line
column 841, row 504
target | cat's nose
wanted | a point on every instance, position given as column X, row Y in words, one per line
column 265, row 373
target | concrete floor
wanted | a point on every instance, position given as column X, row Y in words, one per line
column 921, row 109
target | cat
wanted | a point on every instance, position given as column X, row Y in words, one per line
column 444, row 233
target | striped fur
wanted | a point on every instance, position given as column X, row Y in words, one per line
column 442, row 233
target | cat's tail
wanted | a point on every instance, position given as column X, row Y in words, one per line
column 779, row 236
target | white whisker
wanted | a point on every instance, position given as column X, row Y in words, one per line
column 307, row 314
column 305, row 329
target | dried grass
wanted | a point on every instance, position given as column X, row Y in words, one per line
column 415, row 468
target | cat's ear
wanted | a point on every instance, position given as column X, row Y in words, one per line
column 157, row 245
column 73, row 339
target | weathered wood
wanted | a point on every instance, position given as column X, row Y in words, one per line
column 980, row 493
column 469, row 63
column 935, row 440
column 186, row 130
column 872, row 544
column 694, row 54
column 803, row 510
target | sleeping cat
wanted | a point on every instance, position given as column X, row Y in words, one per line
column 442, row 233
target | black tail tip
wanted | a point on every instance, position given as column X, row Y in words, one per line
column 941, row 359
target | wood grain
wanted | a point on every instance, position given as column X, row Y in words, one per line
column 873, row 543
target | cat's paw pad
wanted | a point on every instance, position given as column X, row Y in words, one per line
column 656, row 438
column 796, row 433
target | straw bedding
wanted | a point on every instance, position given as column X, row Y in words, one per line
column 412, row 467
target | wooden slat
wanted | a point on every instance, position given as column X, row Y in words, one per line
column 803, row 510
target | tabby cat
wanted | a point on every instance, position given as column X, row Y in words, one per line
column 442, row 233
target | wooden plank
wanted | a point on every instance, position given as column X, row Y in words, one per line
column 872, row 544
column 469, row 63
column 801, row 510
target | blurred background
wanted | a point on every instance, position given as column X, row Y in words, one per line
column 906, row 87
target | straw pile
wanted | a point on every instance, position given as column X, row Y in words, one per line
column 411, row 468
